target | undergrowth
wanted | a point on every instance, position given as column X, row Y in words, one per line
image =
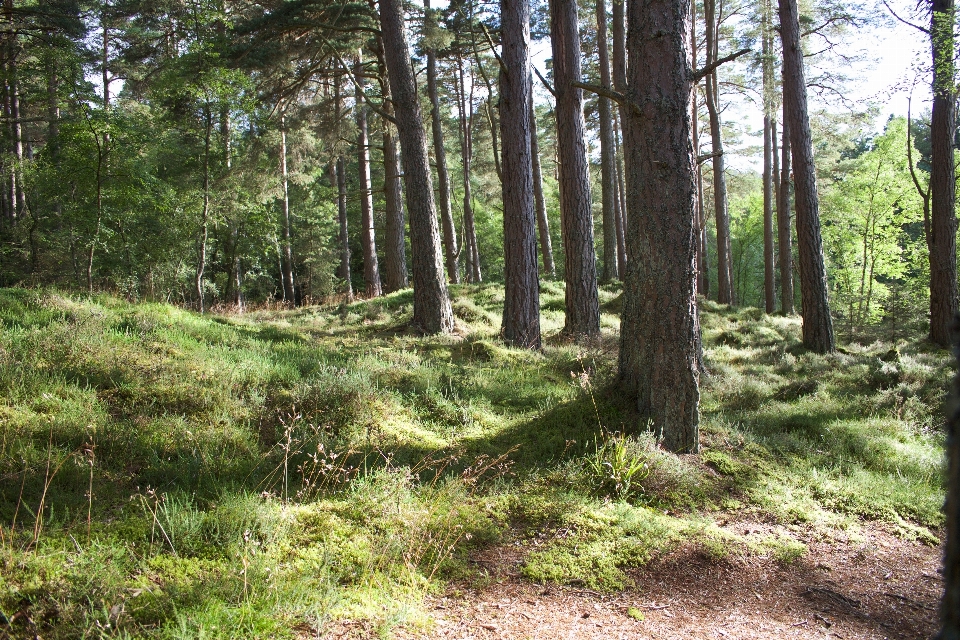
column 169, row 475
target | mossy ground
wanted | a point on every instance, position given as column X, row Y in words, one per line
column 252, row 476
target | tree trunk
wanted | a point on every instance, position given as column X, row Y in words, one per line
column 620, row 84
column 287, row 249
column 432, row 312
column 769, row 287
column 368, row 238
column 950, row 605
column 205, row 209
column 943, row 219
column 608, row 159
column 394, row 251
column 466, row 153
column 521, row 305
column 784, row 242
column 621, row 209
column 660, row 332
column 722, row 215
column 543, row 223
column 817, row 323
column 451, row 252
column 344, row 231
column 580, row 264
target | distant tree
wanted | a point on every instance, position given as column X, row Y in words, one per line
column 608, row 160
column 368, row 238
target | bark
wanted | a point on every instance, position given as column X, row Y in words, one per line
column 815, row 308
column 432, row 312
column 368, row 238
column 620, row 84
column 205, row 208
column 784, row 242
column 608, row 160
column 466, row 152
column 451, row 252
column 660, row 333
column 580, row 269
column 950, row 605
column 344, row 231
column 769, row 288
column 621, row 199
column 943, row 219
column 286, row 262
column 521, row 305
column 722, row 215
column 394, row 250
column 540, row 204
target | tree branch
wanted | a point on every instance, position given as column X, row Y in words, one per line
column 700, row 74
column 544, row 81
column 493, row 48
column 708, row 156
column 906, row 22
column 376, row 108
column 607, row 92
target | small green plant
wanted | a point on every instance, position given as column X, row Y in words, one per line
column 614, row 468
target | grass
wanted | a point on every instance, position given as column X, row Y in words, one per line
column 169, row 475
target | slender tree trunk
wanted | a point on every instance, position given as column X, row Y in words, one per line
column 432, row 312
column 466, row 153
column 784, row 206
column 769, row 287
column 702, row 274
column 621, row 209
column 817, row 323
column 620, row 84
column 660, row 332
column 943, row 218
column 205, row 209
column 286, row 261
column 451, row 252
column 543, row 223
column 724, row 268
column 608, row 159
column 580, row 264
column 368, row 238
column 394, row 251
column 344, row 231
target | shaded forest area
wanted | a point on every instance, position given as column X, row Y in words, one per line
column 312, row 306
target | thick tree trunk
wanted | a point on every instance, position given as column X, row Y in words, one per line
column 473, row 273
column 950, row 605
column 817, row 323
column 608, row 158
column 784, row 206
column 580, row 263
column 287, row 248
column 540, row 204
column 451, row 252
column 660, row 332
column 722, row 215
column 521, row 305
column 943, row 218
column 432, row 312
column 368, row 237
column 394, row 250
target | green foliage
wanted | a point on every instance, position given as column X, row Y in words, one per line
column 614, row 467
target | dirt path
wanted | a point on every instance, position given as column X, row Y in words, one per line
column 874, row 586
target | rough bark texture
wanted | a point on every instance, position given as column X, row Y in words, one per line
column 608, row 160
column 950, row 606
column 580, row 268
column 943, row 219
column 432, row 312
column 289, row 293
column 540, row 204
column 722, row 215
column 521, row 305
column 451, row 252
column 660, row 332
column 394, row 248
column 784, row 242
column 817, row 323
column 368, row 237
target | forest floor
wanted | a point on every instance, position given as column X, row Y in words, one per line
column 323, row 472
